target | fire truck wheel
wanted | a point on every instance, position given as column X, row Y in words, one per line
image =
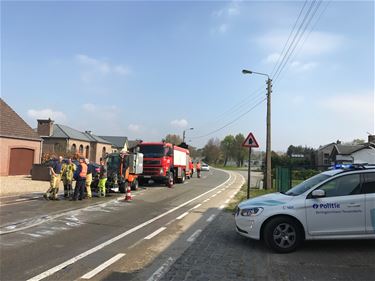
column 169, row 182
column 183, row 178
column 122, row 187
column 134, row 185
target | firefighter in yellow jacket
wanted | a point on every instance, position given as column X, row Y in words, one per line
column 67, row 172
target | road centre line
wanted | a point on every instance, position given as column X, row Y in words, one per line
column 161, row 270
column 156, row 232
column 213, row 196
column 197, row 206
column 227, row 201
column 206, row 200
column 182, row 216
column 57, row 268
column 221, row 207
column 194, row 235
column 211, row 218
column 103, row 266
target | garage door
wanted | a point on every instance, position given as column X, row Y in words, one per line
column 21, row 161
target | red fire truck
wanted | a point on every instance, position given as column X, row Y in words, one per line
column 164, row 162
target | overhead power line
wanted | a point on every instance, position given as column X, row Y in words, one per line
column 231, row 122
column 298, row 40
column 310, row 31
column 292, row 43
column 290, row 35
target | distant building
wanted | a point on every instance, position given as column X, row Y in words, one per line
column 323, row 154
column 119, row 143
column 60, row 139
column 20, row 144
column 347, row 154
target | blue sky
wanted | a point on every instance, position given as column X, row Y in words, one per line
column 146, row 69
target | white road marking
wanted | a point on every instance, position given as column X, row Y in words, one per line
column 155, row 233
column 19, row 200
column 183, row 215
column 206, row 200
column 227, row 201
column 213, row 196
column 103, row 266
column 197, row 206
column 219, row 192
column 194, row 235
column 221, row 207
column 211, row 218
column 56, row 268
column 161, row 270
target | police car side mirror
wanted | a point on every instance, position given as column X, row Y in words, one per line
column 318, row 193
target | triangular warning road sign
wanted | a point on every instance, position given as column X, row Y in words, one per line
column 250, row 141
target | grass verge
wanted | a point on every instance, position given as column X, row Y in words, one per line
column 242, row 194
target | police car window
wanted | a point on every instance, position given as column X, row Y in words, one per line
column 307, row 184
column 342, row 186
column 369, row 183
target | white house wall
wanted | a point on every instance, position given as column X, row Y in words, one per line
column 364, row 156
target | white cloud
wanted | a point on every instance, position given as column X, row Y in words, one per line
column 134, row 128
column 223, row 28
column 350, row 104
column 93, row 67
column 316, row 44
column 301, row 67
column 231, row 9
column 89, row 107
column 182, row 123
column 272, row 58
column 122, row 70
column 57, row 116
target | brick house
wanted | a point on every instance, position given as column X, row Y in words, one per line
column 59, row 138
column 20, row 145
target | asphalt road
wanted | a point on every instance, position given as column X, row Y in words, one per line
column 66, row 240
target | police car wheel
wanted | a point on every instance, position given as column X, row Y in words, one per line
column 283, row 235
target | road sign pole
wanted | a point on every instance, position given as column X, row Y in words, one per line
column 248, row 175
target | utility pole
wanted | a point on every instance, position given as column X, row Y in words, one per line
column 268, row 137
column 268, row 175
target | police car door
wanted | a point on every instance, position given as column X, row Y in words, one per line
column 368, row 188
column 340, row 211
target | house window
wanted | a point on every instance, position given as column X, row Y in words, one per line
column 57, row 147
column 87, row 151
column 73, row 148
column 81, row 149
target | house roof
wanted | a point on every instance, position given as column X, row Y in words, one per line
column 132, row 143
column 327, row 145
column 348, row 149
column 65, row 132
column 12, row 125
column 116, row 141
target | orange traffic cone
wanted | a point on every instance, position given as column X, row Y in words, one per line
column 128, row 196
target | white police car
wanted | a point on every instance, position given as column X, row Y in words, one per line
column 336, row 204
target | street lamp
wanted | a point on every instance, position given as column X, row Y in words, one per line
column 268, row 137
column 183, row 134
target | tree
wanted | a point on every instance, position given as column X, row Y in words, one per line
column 239, row 150
column 211, row 151
column 174, row 139
column 308, row 153
column 227, row 148
column 355, row 142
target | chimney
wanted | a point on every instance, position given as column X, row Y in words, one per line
column 45, row 127
column 88, row 132
column 338, row 142
column 371, row 138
